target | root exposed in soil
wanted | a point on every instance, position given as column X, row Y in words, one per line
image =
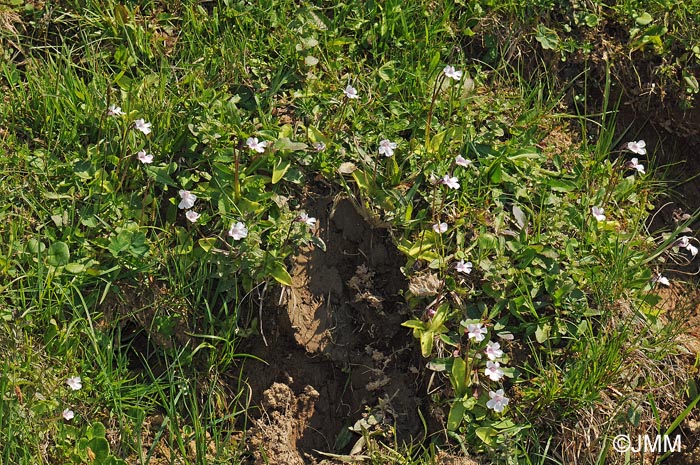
column 337, row 356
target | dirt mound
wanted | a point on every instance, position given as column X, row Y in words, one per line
column 336, row 332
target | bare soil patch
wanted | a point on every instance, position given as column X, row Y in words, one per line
column 336, row 353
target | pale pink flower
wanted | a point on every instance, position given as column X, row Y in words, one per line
column 144, row 157
column 310, row 221
column 188, row 199
column 464, row 267
column 440, row 227
column 461, row 161
column 319, row 146
column 493, row 371
column 635, row 165
column 114, row 110
column 476, row 331
column 192, row 215
column 75, row 383
column 493, row 350
column 238, row 231
column 659, row 278
column 255, row 145
column 638, row 147
column 350, row 92
column 451, row 73
column 450, row 181
column 598, row 213
column 387, row 148
column 68, row 414
column 498, row 400
column 142, row 126
column 684, row 242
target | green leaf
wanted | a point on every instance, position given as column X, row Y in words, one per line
column 454, row 419
column 459, row 376
column 487, row 434
column 285, row 144
column 278, row 271
column 99, row 447
column 547, row 37
column 318, row 242
column 59, row 255
column 161, row 174
column 75, row 268
column 426, row 343
column 644, row 19
column 363, row 180
column 207, row 243
column 414, row 324
column 542, row 332
column 279, row 170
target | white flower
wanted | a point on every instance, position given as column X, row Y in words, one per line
column 387, row 148
column 476, row 331
column 238, row 231
column 658, row 278
column 188, row 199
column 493, row 371
column 638, row 147
column 461, row 161
column 598, row 213
column 68, row 414
column 498, row 400
column 142, row 126
column 310, row 221
column 440, row 227
column 450, row 181
column 350, row 92
column 75, row 383
column 684, row 242
column 635, row 165
column 463, row 267
column 319, row 146
column 192, row 215
column 493, row 350
column 451, row 73
column 114, row 110
column 144, row 157
column 254, row 144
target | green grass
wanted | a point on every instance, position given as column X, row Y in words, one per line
column 103, row 277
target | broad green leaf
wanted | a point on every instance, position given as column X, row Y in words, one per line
column 75, row 268
column 278, row 271
column 644, row 19
column 161, row 174
column 415, row 323
column 459, row 376
column 542, row 332
column 456, row 415
column 318, row 242
column 59, row 255
column 285, row 144
column 487, row 434
column 100, row 449
column 362, row 179
column 440, row 364
column 426, row 343
column 207, row 243
column 279, row 170
column 547, row 37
